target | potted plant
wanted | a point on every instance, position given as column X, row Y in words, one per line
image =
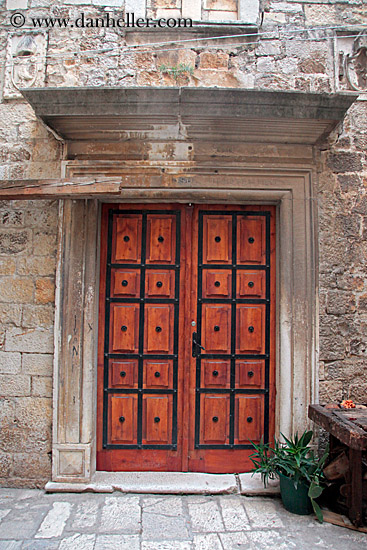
column 299, row 471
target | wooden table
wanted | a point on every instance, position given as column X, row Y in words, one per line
column 349, row 426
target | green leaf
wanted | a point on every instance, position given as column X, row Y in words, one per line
column 318, row 511
column 315, row 491
column 306, row 438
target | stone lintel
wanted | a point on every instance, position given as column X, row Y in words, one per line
column 200, row 113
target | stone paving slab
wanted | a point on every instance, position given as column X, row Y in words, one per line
column 35, row 520
column 159, row 482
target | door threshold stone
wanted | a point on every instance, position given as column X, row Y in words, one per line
column 169, row 483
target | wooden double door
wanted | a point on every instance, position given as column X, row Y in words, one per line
column 186, row 337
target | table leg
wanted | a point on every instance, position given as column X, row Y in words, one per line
column 354, row 500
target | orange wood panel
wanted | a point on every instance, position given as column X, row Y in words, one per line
column 127, row 239
column 157, row 419
column 251, row 240
column 123, row 374
column 250, row 328
column 217, row 246
column 251, row 284
column 161, row 233
column 217, row 284
column 214, row 419
column 123, row 419
column 160, row 284
column 158, row 374
column 216, row 373
column 125, row 283
column 249, row 418
column 250, row 373
column 124, row 328
column 158, row 330
column 216, row 324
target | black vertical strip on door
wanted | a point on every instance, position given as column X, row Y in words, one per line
column 267, row 327
column 233, row 391
column 198, row 330
column 233, row 332
column 176, row 329
column 107, row 330
column 140, row 356
column 141, row 329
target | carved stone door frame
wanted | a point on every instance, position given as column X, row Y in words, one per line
column 74, row 398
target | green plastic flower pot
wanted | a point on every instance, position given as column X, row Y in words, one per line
column 295, row 500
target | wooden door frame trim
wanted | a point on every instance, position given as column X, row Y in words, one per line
column 74, row 411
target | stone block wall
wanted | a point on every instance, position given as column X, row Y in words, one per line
column 293, row 51
column 27, row 268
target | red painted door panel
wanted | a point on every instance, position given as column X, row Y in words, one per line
column 123, row 419
column 169, row 399
column 127, row 239
column 215, row 419
column 124, row 328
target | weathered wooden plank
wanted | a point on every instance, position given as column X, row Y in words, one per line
column 341, row 521
column 61, row 188
column 348, row 433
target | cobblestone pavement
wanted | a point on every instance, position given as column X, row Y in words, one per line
column 33, row 520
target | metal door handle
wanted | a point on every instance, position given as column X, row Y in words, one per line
column 195, row 345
